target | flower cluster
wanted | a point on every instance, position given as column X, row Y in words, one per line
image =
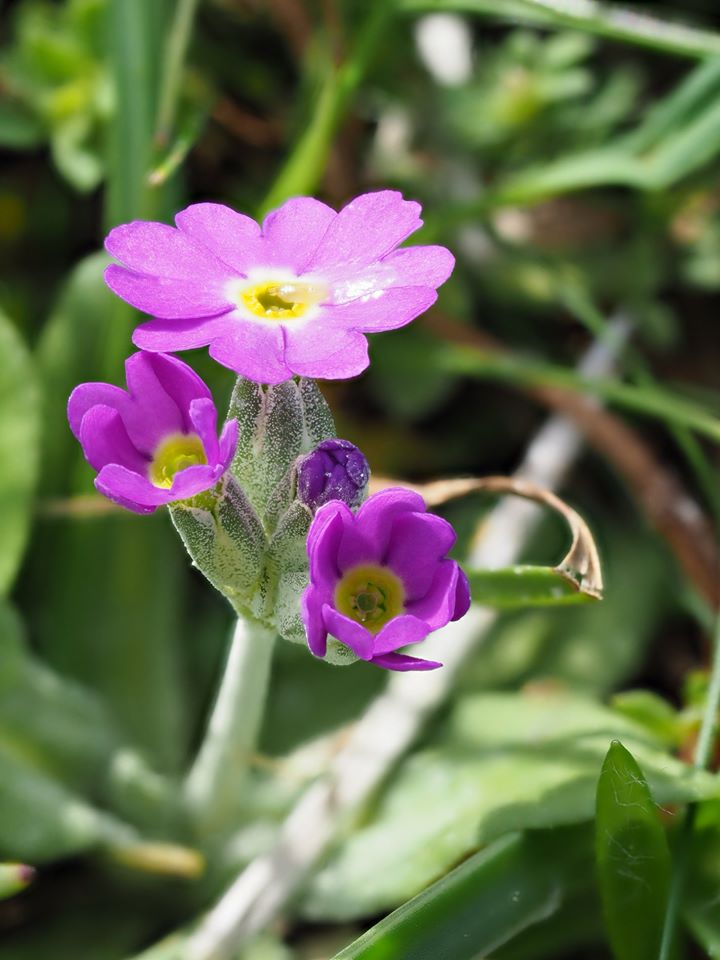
column 291, row 297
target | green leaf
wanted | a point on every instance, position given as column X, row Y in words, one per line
column 654, row 713
column 19, row 449
column 633, row 859
column 40, row 820
column 524, row 586
column 482, row 904
column 507, row 762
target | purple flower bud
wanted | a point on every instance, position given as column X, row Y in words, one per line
column 334, row 470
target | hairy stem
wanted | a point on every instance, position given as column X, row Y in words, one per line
column 215, row 780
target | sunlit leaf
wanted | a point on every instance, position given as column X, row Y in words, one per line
column 633, row 859
column 507, row 762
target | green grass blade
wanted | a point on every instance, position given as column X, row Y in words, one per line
column 528, row 372
column 633, row 859
column 602, row 19
column 476, row 908
column 306, row 164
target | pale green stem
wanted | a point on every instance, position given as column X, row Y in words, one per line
column 175, row 52
column 214, row 783
column 602, row 19
column 701, row 761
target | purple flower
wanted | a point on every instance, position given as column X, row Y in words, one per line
column 334, row 470
column 293, row 297
column 380, row 579
column 156, row 442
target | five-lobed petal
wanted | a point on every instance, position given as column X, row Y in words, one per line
column 200, row 281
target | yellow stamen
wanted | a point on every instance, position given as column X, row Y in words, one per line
column 175, row 453
column 371, row 595
column 281, row 299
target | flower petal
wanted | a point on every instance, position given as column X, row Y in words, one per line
column 228, row 443
column 232, row 237
column 399, row 661
column 158, row 250
column 203, row 417
column 347, row 631
column 327, row 531
column 311, row 609
column 383, row 310
column 105, row 440
column 325, row 351
column 193, row 480
column 88, row 395
column 254, row 350
column 366, row 229
column 410, row 267
column 169, row 298
column 179, row 381
column 129, row 489
column 376, row 516
column 419, row 542
column 294, row 231
column 437, row 606
column 151, row 413
column 462, row 596
column 163, row 335
column 400, row 632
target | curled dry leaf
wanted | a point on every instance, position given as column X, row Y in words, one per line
column 581, row 564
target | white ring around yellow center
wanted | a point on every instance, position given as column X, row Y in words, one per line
column 278, row 298
column 175, row 453
column 371, row 595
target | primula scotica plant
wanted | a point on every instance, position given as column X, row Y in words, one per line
column 265, row 511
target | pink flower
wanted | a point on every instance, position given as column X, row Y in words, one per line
column 380, row 579
column 155, row 442
column 293, row 297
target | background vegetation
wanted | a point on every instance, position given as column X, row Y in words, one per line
column 568, row 154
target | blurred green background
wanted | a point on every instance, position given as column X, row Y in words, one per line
column 570, row 160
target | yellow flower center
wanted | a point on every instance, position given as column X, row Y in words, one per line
column 370, row 595
column 281, row 299
column 175, row 453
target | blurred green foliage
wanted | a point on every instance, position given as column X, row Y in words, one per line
column 574, row 174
